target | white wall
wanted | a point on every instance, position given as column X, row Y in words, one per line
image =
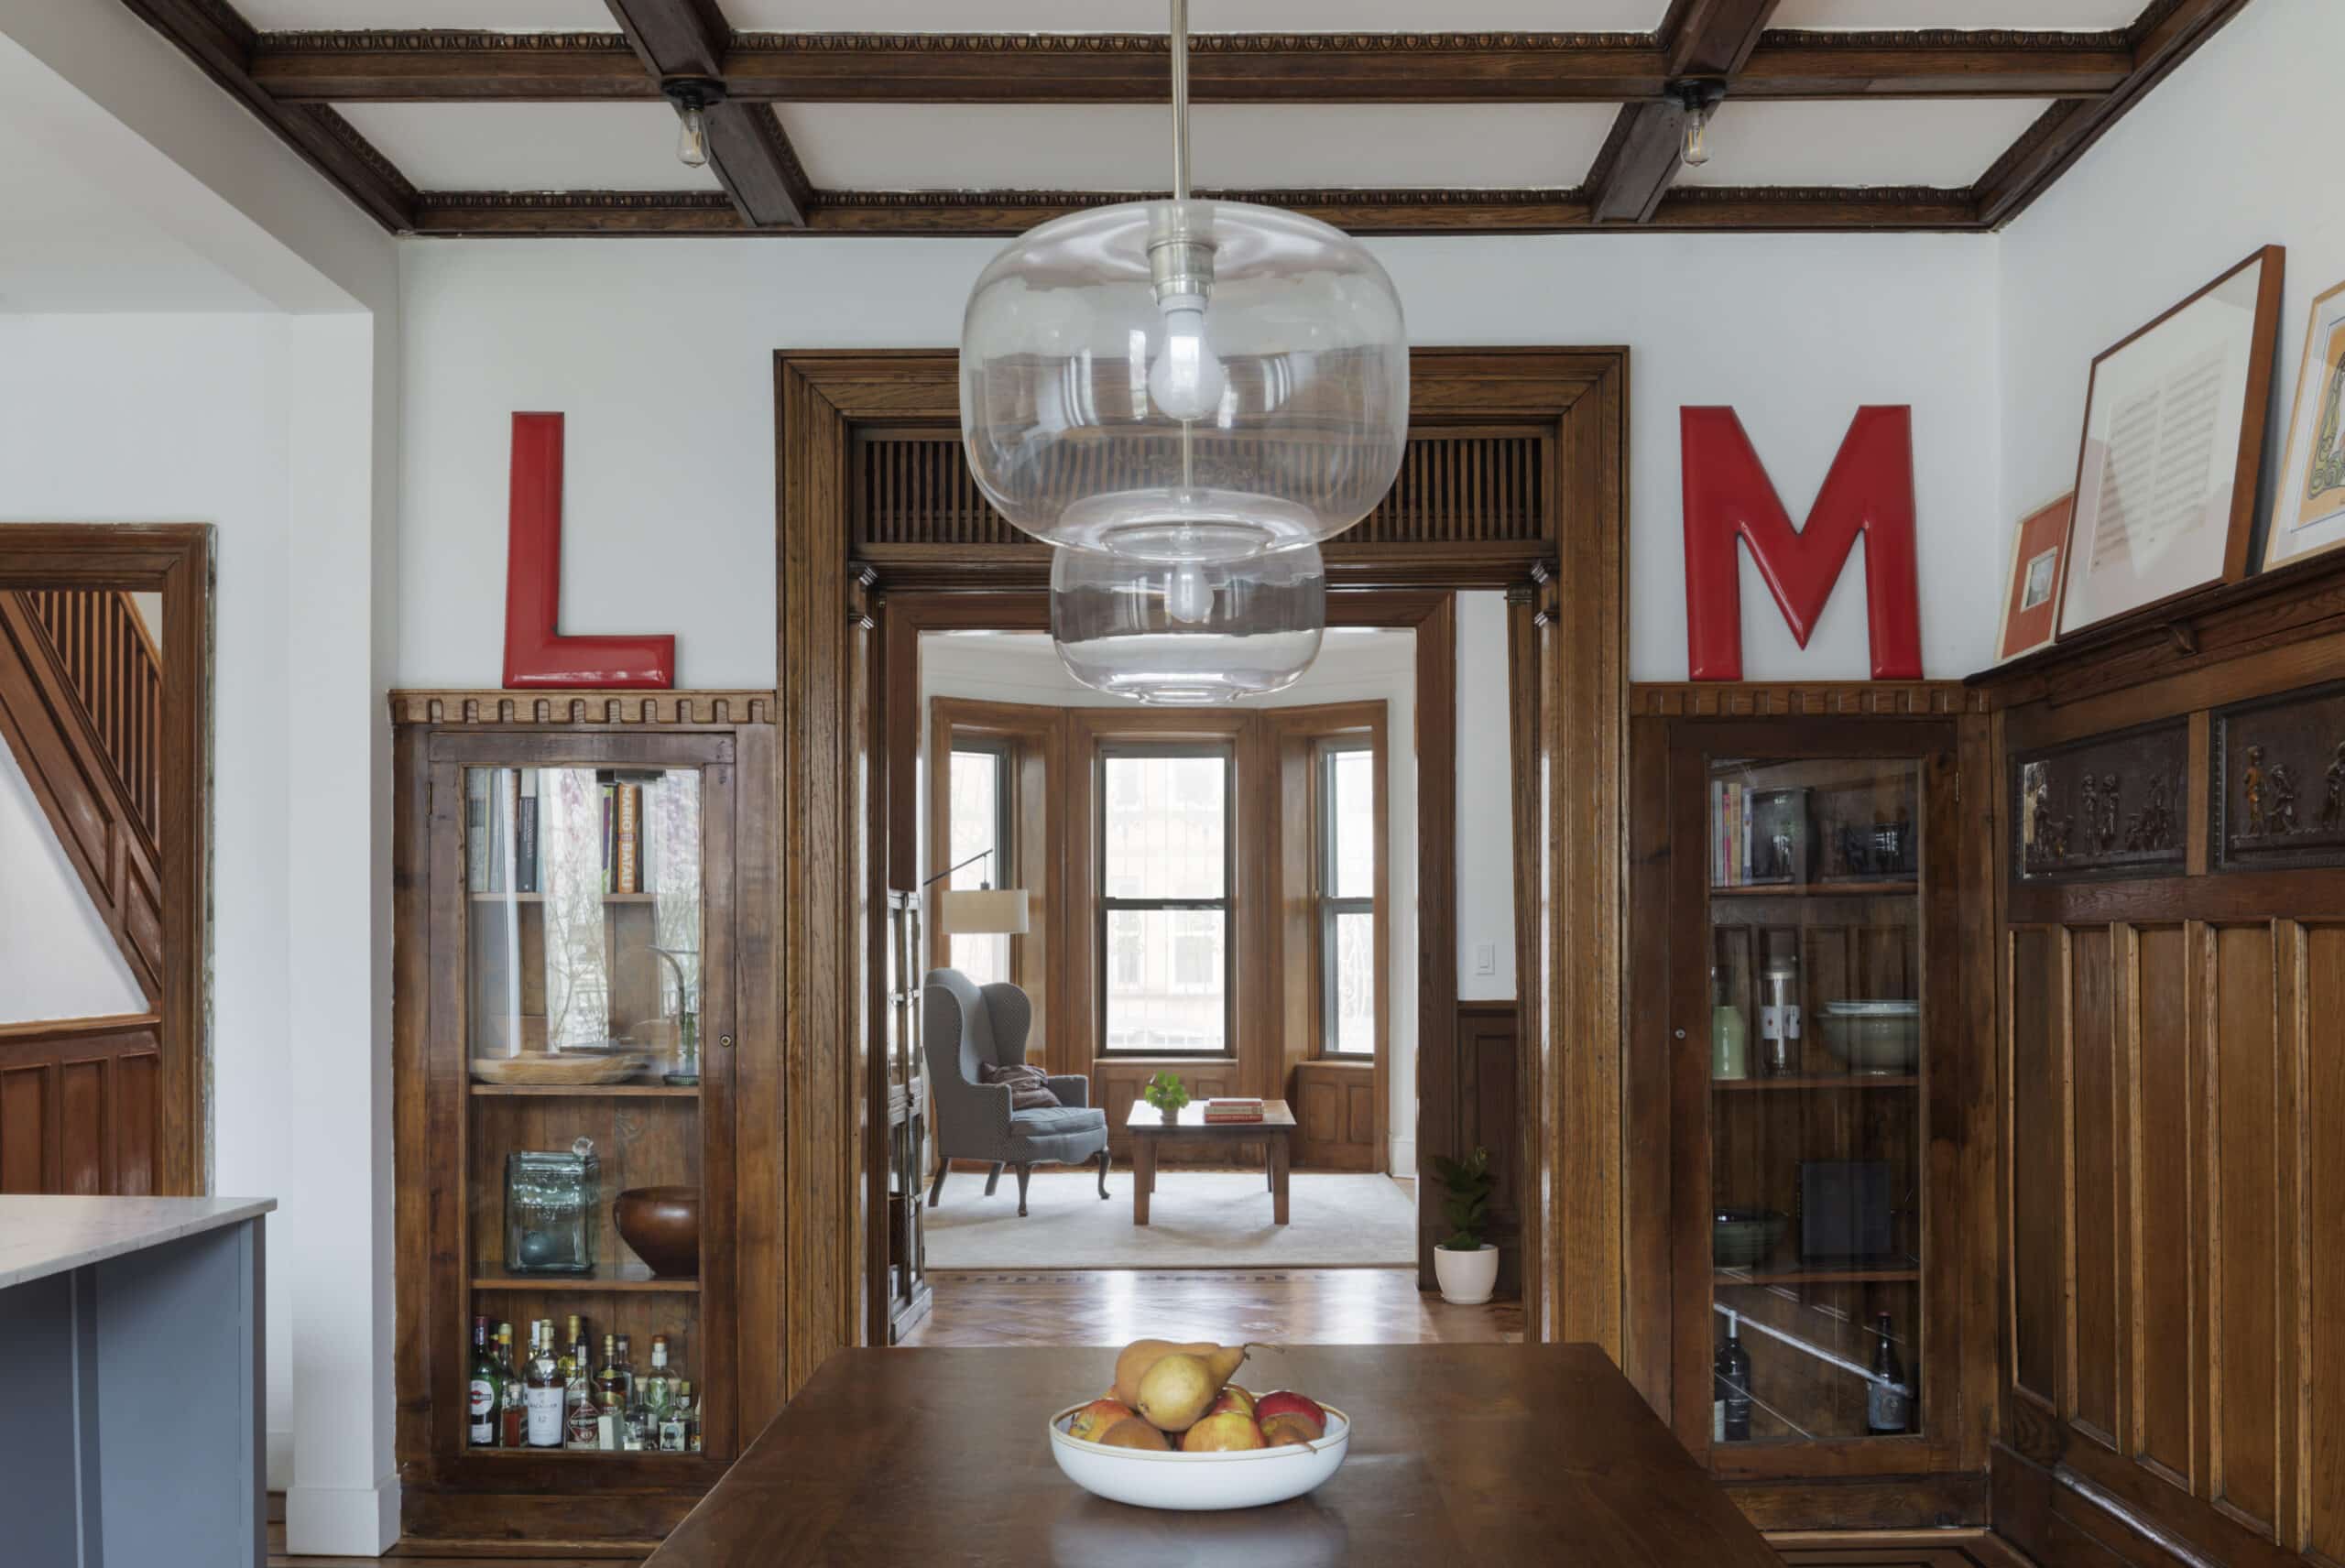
column 2234, row 150
column 1352, row 667
column 661, row 353
column 1485, row 802
column 57, row 958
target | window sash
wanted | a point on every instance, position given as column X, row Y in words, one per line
column 1331, row 908
column 1110, row 906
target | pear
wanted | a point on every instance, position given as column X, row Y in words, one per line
column 1181, row 1387
column 1133, row 1433
column 1133, row 1362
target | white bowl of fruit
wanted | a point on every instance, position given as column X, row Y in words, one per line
column 1175, row 1433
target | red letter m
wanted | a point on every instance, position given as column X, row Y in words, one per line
column 1729, row 497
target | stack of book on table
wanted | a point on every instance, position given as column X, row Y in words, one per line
column 1233, row 1110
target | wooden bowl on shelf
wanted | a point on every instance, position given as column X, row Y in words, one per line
column 662, row 1225
column 559, row 1068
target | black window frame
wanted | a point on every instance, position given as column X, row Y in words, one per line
column 1005, row 765
column 1108, row 904
column 1331, row 906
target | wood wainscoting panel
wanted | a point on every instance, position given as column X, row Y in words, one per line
column 79, row 1105
column 2322, row 1239
column 2243, row 1258
column 2167, row 1231
column 1334, row 1114
column 2038, row 1076
column 1487, row 1106
column 1117, row 1080
column 2096, row 1132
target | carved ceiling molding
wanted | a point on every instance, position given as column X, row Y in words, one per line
column 343, row 131
column 1944, row 38
column 1086, row 44
column 430, row 40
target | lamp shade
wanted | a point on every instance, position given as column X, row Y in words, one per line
column 982, row 911
column 1184, row 380
column 1188, row 634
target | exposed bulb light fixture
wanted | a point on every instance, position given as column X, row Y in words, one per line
column 1701, row 99
column 693, row 96
column 1189, row 634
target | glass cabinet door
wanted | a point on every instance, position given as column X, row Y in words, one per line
column 1817, row 1143
column 585, row 924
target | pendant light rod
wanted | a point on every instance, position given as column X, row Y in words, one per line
column 1180, row 100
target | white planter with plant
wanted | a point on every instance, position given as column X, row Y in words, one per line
column 1168, row 1094
column 1466, row 1265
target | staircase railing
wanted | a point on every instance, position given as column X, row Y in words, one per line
column 109, row 658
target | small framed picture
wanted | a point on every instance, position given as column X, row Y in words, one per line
column 2172, row 445
column 2032, row 599
column 2309, row 508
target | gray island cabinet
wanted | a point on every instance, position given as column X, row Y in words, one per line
column 130, row 1335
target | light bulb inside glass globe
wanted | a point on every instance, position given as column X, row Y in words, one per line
column 692, row 137
column 1187, row 379
column 1698, row 137
column 1191, row 635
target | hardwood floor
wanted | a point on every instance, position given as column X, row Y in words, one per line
column 1301, row 1306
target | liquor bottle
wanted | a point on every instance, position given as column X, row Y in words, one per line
column 627, row 1369
column 544, row 1389
column 512, row 1401
column 679, row 1426
column 610, row 1396
column 484, row 1389
column 1889, row 1406
column 570, row 1343
column 657, row 1387
column 578, row 1408
column 1732, row 1370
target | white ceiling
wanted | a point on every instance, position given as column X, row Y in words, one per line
column 71, row 244
column 530, row 147
column 1930, row 141
column 879, row 146
column 1206, row 16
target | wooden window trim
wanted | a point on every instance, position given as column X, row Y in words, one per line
column 1104, row 905
column 1376, row 903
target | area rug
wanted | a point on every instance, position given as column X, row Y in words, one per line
column 1196, row 1218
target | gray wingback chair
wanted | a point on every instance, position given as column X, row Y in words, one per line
column 963, row 1025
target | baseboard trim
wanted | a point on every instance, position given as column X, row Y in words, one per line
column 343, row 1521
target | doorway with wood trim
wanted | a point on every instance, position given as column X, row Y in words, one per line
column 1513, row 483
column 104, row 678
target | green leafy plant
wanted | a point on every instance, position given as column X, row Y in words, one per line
column 1166, row 1093
column 1466, row 1185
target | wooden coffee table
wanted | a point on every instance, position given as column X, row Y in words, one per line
column 1460, row 1454
column 1148, row 1129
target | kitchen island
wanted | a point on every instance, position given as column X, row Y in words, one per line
column 130, row 1339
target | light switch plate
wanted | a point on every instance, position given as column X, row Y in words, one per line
column 1485, row 958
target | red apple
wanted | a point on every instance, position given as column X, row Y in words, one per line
column 1096, row 1417
column 1291, row 1430
column 1286, row 1401
column 1233, row 1398
column 1219, row 1434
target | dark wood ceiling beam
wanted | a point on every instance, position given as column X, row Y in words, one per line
column 1461, row 68
column 1710, row 39
column 222, row 46
column 1003, row 213
column 2169, row 33
column 746, row 150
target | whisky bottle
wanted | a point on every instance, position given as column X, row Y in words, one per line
column 1733, row 1376
column 1889, row 1407
column 578, row 1409
column 610, row 1397
column 544, row 1389
column 484, row 1388
column 569, row 1343
column 512, row 1402
column 626, row 1371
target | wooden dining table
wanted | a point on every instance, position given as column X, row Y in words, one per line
column 1460, row 1454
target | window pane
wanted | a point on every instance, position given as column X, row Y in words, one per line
column 1351, row 819
column 1351, row 1009
column 1166, row 972
column 975, row 811
column 1164, row 826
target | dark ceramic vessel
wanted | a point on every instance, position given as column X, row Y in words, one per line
column 662, row 1225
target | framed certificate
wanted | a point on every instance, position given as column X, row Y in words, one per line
column 2172, row 442
column 2309, row 508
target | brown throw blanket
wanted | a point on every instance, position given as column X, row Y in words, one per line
column 1029, row 1087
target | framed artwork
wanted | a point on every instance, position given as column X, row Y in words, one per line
column 2173, row 444
column 2032, row 596
column 2309, row 508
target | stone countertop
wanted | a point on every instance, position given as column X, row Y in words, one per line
column 43, row 1236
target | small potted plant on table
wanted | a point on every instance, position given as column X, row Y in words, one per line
column 1166, row 1093
column 1466, row 1266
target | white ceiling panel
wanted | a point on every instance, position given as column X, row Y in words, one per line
column 887, row 147
column 1927, row 141
column 530, row 147
column 2038, row 16
column 1205, row 15
column 493, row 16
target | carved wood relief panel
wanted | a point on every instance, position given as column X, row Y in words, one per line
column 2279, row 784
column 2112, row 805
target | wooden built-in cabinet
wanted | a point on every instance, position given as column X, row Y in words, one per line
column 2171, row 942
column 578, row 873
column 1805, row 1090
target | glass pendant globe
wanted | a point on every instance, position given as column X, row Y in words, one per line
column 1190, row 632
column 1184, row 380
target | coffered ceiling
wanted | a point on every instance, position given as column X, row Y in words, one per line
column 1385, row 117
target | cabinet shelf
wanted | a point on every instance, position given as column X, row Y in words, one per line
column 1819, row 1081
column 632, row 1276
column 586, row 1091
column 580, row 1456
column 1823, row 1274
column 1817, row 891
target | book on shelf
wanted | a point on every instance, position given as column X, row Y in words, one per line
column 476, row 858
column 501, row 830
column 627, row 869
column 525, row 834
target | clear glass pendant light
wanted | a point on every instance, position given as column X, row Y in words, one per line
column 1189, row 633
column 1184, row 380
